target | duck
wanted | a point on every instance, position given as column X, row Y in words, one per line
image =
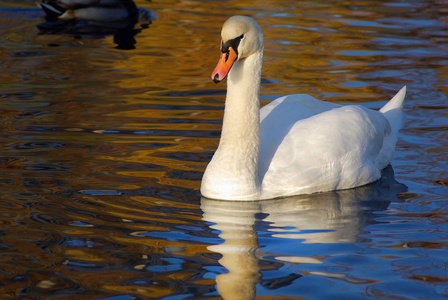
column 96, row 19
column 296, row 144
column 102, row 11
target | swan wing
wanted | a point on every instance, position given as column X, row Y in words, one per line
column 278, row 117
column 328, row 147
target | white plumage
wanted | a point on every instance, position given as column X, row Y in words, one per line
column 296, row 144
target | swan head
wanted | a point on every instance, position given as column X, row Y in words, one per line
column 241, row 37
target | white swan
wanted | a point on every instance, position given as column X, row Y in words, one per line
column 296, row 144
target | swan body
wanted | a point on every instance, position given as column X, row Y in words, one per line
column 296, row 144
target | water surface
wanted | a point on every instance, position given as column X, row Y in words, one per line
column 103, row 150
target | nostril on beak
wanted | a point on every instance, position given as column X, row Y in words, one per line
column 216, row 78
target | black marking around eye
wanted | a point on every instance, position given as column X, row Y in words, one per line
column 234, row 43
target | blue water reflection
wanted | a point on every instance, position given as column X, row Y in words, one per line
column 102, row 153
column 270, row 244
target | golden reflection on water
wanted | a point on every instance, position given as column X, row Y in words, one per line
column 325, row 218
column 102, row 153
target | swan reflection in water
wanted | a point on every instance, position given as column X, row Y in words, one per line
column 94, row 19
column 334, row 217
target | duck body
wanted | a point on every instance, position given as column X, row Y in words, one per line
column 96, row 19
column 296, row 144
column 94, row 10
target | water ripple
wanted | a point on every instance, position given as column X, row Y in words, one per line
column 103, row 150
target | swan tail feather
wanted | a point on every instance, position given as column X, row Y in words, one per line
column 393, row 111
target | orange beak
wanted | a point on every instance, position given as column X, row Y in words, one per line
column 224, row 64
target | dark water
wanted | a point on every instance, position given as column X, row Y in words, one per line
column 102, row 153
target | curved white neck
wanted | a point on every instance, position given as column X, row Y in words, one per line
column 241, row 121
column 233, row 171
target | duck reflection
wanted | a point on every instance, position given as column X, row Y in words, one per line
column 336, row 217
column 96, row 19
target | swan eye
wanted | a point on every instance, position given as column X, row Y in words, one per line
column 234, row 43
